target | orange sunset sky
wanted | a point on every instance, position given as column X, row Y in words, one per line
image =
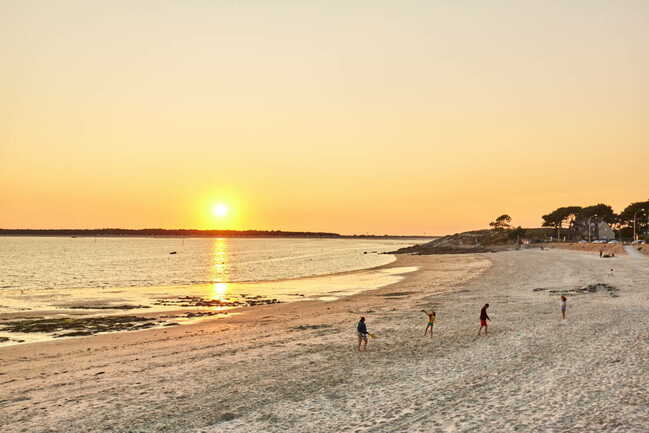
column 380, row 116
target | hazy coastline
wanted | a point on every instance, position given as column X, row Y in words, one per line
column 196, row 233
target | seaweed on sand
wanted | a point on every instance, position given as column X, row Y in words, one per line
column 78, row 326
column 198, row 301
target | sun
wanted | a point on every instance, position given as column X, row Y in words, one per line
column 220, row 210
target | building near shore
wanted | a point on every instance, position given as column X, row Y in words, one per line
column 604, row 231
column 600, row 230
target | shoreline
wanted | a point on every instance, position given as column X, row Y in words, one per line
column 160, row 317
column 240, row 314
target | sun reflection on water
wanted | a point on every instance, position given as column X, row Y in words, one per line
column 220, row 269
column 220, row 290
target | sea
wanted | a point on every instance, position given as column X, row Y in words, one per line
column 66, row 263
column 54, row 277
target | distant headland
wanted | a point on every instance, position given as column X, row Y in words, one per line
column 110, row 232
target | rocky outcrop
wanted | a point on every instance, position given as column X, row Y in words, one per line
column 477, row 241
column 459, row 243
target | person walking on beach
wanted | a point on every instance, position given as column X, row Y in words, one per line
column 431, row 322
column 362, row 333
column 484, row 317
column 563, row 307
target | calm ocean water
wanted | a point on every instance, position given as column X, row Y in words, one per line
column 65, row 263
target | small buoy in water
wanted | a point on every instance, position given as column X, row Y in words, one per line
column 173, row 252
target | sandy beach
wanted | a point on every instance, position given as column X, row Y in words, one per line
column 293, row 367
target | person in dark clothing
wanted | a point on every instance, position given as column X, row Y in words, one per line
column 484, row 317
column 362, row 333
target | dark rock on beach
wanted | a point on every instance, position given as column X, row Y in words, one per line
column 227, row 417
column 590, row 288
column 306, row 327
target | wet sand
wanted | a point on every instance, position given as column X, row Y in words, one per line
column 293, row 368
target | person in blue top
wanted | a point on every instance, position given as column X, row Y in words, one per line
column 362, row 333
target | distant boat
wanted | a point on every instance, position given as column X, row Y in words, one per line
column 173, row 252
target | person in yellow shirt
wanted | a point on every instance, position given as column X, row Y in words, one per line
column 431, row 321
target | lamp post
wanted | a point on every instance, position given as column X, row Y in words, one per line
column 635, row 236
column 589, row 218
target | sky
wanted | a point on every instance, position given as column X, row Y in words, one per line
column 409, row 117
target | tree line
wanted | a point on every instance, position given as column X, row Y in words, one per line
column 574, row 217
